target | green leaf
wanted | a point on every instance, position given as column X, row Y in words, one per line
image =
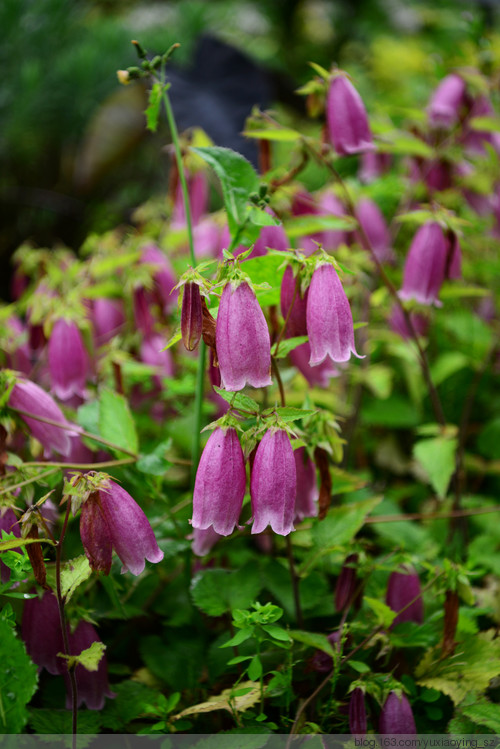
column 482, row 712
column 485, row 124
column 87, row 417
column 474, row 663
column 266, row 269
column 283, row 134
column 115, row 421
column 178, row 662
column 278, row 633
column 360, row 667
column 73, row 573
column 218, row 591
column 437, row 458
column 254, row 670
column 237, row 177
column 407, row 145
column 300, row 226
column 14, row 543
column 153, row 110
column 238, row 400
column 45, row 721
column 385, row 615
column 288, row 345
column 155, row 463
column 289, row 413
column 241, row 636
column 313, row 640
column 18, row 680
column 446, row 366
column 88, row 658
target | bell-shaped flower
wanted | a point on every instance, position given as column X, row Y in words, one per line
column 68, row 360
column 397, row 323
column 330, row 205
column 306, row 501
column 346, row 118
column 26, row 396
column 41, row 632
column 318, row 375
column 447, row 101
column 163, row 276
column 329, row 319
column 111, row 519
column 357, row 712
column 198, row 199
column 270, row 237
column 273, row 485
column 403, row 587
column 204, row 541
column 397, row 716
column 425, row 266
column 220, row 483
column 207, row 238
column 347, row 583
column 9, row 524
column 375, row 234
column 372, row 165
column 293, row 304
column 108, row 317
column 242, row 339
column 92, row 686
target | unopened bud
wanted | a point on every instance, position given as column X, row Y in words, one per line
column 191, row 316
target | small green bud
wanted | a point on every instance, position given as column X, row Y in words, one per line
column 141, row 52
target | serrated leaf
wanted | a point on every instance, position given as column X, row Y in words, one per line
column 483, row 712
column 218, row 591
column 385, row 615
column 116, row 423
column 73, row 573
column 300, row 226
column 88, row 658
column 474, row 663
column 237, row 177
column 313, row 640
column 18, row 680
column 155, row 463
column 238, row 400
column 437, row 458
column 153, row 110
column 287, row 345
column 45, row 721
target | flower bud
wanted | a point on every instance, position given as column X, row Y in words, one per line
column 296, row 325
column 163, row 276
column 191, row 316
column 447, row 101
column 329, row 319
column 26, row 396
column 346, row 118
column 375, row 230
column 425, row 265
column 220, row 483
column 306, row 501
column 68, row 360
column 397, row 716
column 242, row 339
column 108, row 317
column 347, row 583
column 357, row 712
column 402, row 588
column 273, row 485
column 41, row 632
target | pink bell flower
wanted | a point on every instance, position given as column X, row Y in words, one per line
column 273, row 485
column 318, row 375
column 402, row 588
column 357, row 712
column 108, row 318
column 41, row 632
column 329, row 319
column 346, row 118
column 397, row 716
column 306, row 501
column 375, row 230
column 68, row 360
column 220, row 483
column 296, row 325
column 242, row 339
column 447, row 101
column 26, row 396
column 425, row 266
column 111, row 519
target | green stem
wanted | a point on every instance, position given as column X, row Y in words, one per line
column 178, row 157
column 32, row 480
column 198, row 405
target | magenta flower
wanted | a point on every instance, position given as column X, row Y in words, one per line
column 270, row 237
column 143, row 317
column 425, row 266
column 330, row 205
column 373, row 165
column 191, row 316
column 220, row 483
column 329, row 319
column 319, row 375
column 397, row 716
column 41, row 632
column 204, row 541
column 273, row 485
column 68, row 360
column 346, row 118
column 198, row 199
column 402, row 588
column 111, row 519
column 375, row 230
column 92, row 686
column 397, row 323
column 306, row 501
column 9, row 524
column 296, row 325
column 26, row 396
column 163, row 276
column 447, row 101
column 347, row 583
column 207, row 238
column 357, row 712
column 242, row 339
column 108, row 318
column 321, row 661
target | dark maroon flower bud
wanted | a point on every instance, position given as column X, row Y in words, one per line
column 191, row 316
column 402, row 588
column 290, row 292
column 397, row 716
column 347, row 583
column 346, row 118
column 357, row 712
column 92, row 686
column 143, row 318
column 41, row 632
column 321, row 661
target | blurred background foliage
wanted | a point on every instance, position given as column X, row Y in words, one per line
column 74, row 152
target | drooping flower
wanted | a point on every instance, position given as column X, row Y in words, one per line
column 273, row 484
column 111, row 519
column 296, row 325
column 26, row 396
column 9, row 524
column 373, row 165
column 306, row 501
column 163, row 276
column 346, row 118
column 330, row 205
column 398, row 324
column 68, row 360
column 92, row 686
column 242, row 339
column 347, row 583
column 318, row 375
column 220, row 483
column 321, row 661
column 108, row 317
column 375, row 230
column 397, row 716
column 143, row 317
column 402, row 588
column 191, row 316
column 41, row 632
column 447, row 101
column 357, row 712
column 329, row 319
column 425, row 265
column 204, row 541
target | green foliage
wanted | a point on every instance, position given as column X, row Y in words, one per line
column 116, row 423
column 18, row 678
